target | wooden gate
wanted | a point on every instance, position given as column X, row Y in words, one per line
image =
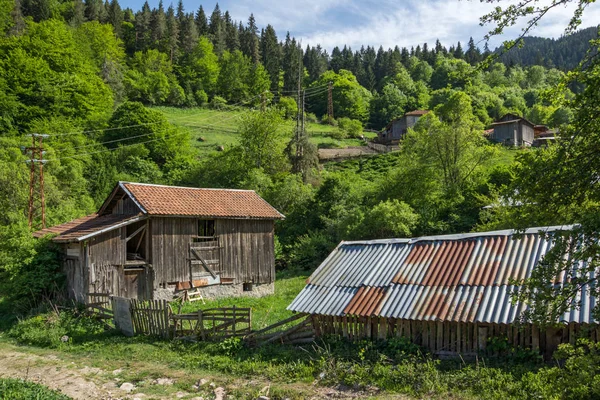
column 213, row 324
column 151, row 317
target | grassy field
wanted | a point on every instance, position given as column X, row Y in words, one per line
column 219, row 128
column 265, row 310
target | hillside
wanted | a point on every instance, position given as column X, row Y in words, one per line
column 563, row 53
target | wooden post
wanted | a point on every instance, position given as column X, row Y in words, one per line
column 482, row 335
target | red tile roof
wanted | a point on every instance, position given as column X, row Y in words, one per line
column 417, row 112
column 85, row 226
column 212, row 203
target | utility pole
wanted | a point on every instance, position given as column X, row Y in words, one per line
column 36, row 176
column 300, row 118
column 330, row 103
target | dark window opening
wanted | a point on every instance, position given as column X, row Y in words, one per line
column 247, row 286
column 206, row 230
column 135, row 242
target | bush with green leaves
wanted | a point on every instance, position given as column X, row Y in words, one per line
column 56, row 330
column 351, row 127
column 19, row 389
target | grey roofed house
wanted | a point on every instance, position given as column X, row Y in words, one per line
column 435, row 284
column 513, row 130
column 397, row 129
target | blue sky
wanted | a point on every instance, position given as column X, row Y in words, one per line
column 384, row 22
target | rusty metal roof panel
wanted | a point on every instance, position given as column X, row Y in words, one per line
column 323, row 300
column 467, row 277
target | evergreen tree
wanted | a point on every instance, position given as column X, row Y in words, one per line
column 172, row 33
column 232, row 39
column 473, row 55
column 216, row 30
column 292, row 63
column 271, row 56
column 95, row 11
column 249, row 41
column 39, row 10
column 115, row 17
column 158, row 27
column 143, row 20
column 201, row 22
column 336, row 62
column 188, row 35
column 180, row 12
column 458, row 52
column 16, row 15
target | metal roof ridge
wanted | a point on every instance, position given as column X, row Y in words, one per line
column 183, row 187
column 459, row 236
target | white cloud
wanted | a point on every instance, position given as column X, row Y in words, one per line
column 385, row 22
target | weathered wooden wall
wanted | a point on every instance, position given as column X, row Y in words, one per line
column 453, row 337
column 125, row 206
column 247, row 253
column 171, row 238
column 75, row 272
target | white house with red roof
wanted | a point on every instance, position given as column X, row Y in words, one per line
column 152, row 241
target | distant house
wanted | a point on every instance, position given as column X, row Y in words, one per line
column 397, row 129
column 150, row 241
column 512, row 130
column 449, row 293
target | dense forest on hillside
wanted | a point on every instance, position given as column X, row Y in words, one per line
column 563, row 53
column 89, row 74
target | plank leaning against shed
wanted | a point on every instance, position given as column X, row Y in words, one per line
column 151, row 241
column 449, row 293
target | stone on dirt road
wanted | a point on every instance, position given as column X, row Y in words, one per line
column 219, row 393
column 127, row 387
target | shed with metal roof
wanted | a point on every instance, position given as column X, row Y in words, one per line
column 448, row 293
column 150, row 241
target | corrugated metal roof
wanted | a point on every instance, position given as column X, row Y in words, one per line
column 464, row 278
column 83, row 227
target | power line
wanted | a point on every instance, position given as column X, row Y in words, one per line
column 149, row 123
column 132, row 144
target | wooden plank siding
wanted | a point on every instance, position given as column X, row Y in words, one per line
column 247, row 253
column 170, row 248
column 446, row 338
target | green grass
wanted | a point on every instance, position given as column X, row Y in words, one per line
column 17, row 389
column 219, row 128
column 266, row 310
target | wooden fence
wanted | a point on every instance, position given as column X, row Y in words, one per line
column 447, row 338
column 281, row 332
column 99, row 305
column 151, row 317
column 213, row 324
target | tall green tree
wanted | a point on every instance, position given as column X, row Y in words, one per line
column 271, row 56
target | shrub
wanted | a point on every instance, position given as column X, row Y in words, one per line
column 17, row 389
column 29, row 268
column 351, row 127
column 55, row 330
column 201, row 97
column 309, row 250
column 218, row 102
column 288, row 107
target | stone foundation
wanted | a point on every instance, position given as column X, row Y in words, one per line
column 221, row 291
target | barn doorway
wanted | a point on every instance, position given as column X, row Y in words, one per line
column 135, row 242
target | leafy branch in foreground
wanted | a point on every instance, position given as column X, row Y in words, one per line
column 561, row 184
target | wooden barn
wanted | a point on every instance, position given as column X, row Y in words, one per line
column 398, row 128
column 449, row 294
column 512, row 130
column 151, row 241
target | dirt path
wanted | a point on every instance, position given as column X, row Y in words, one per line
column 75, row 377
